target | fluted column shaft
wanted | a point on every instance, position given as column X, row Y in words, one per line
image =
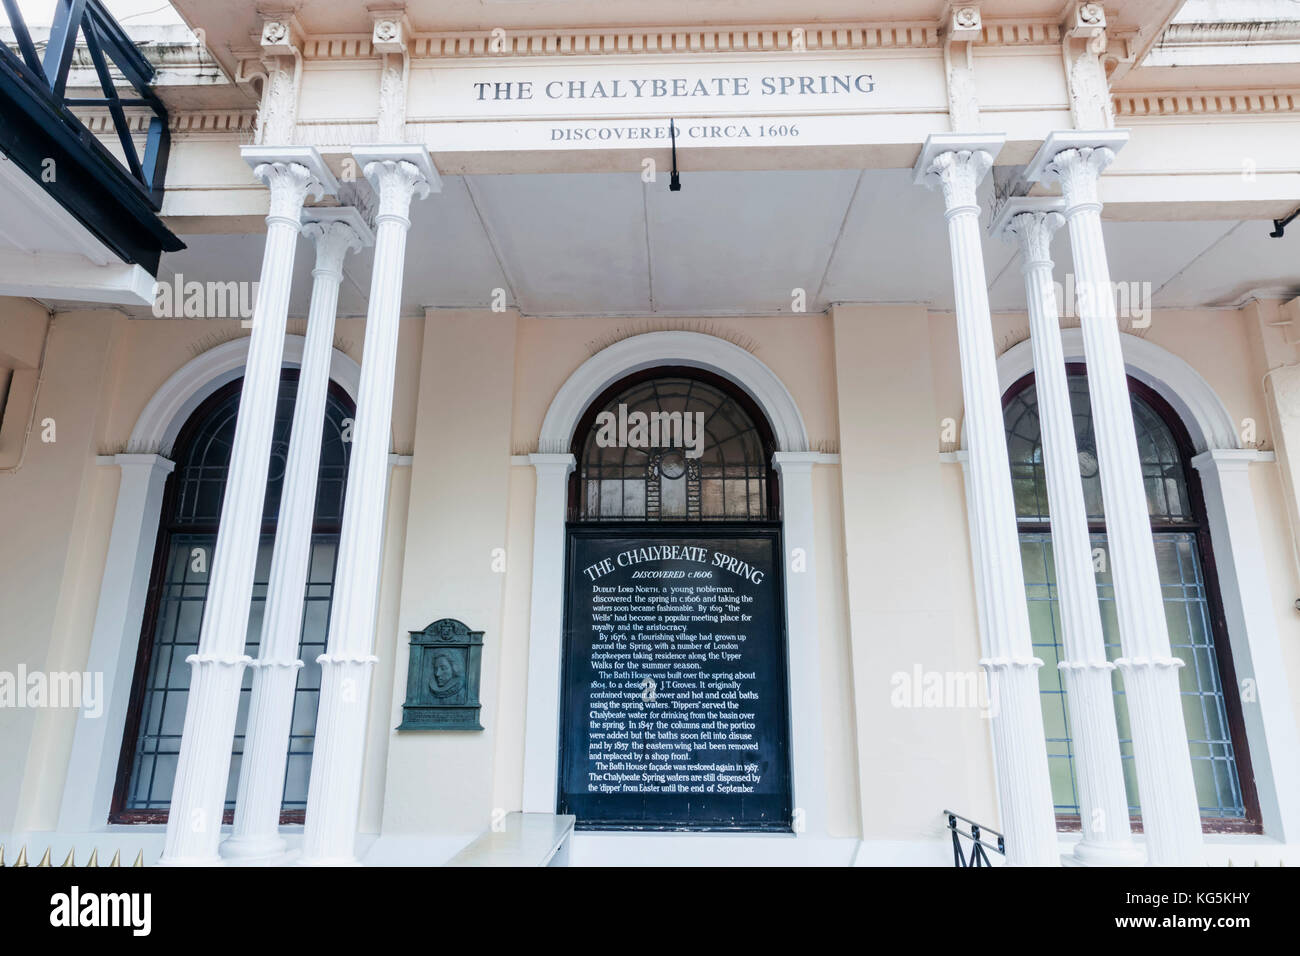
column 1170, row 815
column 1103, row 804
column 334, row 792
column 216, row 671
column 1020, row 752
column 270, row 712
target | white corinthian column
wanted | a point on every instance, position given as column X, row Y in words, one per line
column 957, row 162
column 1103, row 803
column 217, row 670
column 1170, row 816
column 398, row 174
column 261, row 772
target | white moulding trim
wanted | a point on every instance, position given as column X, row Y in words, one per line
column 175, row 401
column 1191, row 396
column 691, row 349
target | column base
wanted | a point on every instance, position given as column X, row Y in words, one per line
column 247, row 849
column 1101, row 854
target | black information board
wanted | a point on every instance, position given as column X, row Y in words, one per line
column 675, row 701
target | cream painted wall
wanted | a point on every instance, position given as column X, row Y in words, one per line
column 910, row 597
column 53, row 528
column 441, row 781
column 101, row 370
column 873, row 382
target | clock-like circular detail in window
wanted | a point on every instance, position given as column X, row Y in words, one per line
column 672, row 464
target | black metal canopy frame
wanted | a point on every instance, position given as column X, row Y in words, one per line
column 117, row 201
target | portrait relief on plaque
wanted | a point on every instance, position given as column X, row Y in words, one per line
column 442, row 680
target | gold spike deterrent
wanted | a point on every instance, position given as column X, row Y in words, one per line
column 2, row 854
column 22, row 856
column 45, row 860
column 117, row 859
column 94, row 857
column 139, row 860
column 70, row 861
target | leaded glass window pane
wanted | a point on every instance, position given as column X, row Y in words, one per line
column 1182, row 578
column 1162, row 463
column 200, row 476
column 673, row 449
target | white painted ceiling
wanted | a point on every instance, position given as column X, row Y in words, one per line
column 736, row 243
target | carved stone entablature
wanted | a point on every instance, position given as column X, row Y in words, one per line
column 963, row 28
column 390, row 37
column 390, row 31
column 625, row 41
column 1084, row 44
column 281, row 35
column 964, row 22
column 280, row 46
column 1085, row 18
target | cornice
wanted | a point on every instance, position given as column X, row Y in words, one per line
column 214, row 122
column 759, row 38
column 1198, row 103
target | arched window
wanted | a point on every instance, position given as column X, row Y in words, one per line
column 1197, row 632
column 178, row 592
column 674, row 608
column 678, row 445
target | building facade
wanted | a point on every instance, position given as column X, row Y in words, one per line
column 757, row 438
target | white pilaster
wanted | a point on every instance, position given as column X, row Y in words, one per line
column 957, row 163
column 545, row 634
column 799, row 534
column 1170, row 816
column 118, row 619
column 1266, row 702
column 1103, row 804
column 261, row 772
column 398, row 174
column 199, row 791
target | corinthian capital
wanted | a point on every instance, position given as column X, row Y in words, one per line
column 1078, row 170
column 292, row 173
column 335, row 231
column 398, row 174
column 956, row 163
column 1076, row 158
column 397, row 182
column 1033, row 232
column 958, row 174
column 290, row 184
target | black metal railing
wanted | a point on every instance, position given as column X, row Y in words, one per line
column 106, row 42
column 975, row 833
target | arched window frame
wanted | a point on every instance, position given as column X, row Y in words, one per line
column 746, row 403
column 118, row 811
column 1200, row 527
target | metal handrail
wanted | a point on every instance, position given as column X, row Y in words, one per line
column 105, row 41
column 978, row 856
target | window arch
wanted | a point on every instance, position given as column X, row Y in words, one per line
column 700, row 451
column 1184, row 557
column 191, row 513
